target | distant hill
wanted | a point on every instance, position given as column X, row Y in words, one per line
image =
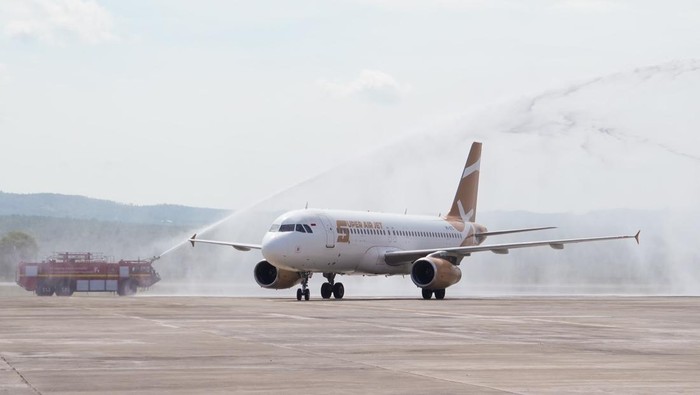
column 81, row 207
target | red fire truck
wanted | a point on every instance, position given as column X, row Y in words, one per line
column 69, row 272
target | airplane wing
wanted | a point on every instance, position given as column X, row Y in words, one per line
column 505, row 232
column 238, row 246
column 406, row 256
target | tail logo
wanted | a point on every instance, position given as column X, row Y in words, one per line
column 474, row 167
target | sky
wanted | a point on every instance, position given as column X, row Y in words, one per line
column 223, row 103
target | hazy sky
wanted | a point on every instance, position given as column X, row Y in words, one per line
column 220, row 103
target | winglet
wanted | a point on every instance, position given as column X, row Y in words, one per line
column 636, row 237
column 191, row 240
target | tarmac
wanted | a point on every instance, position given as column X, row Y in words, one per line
column 100, row 344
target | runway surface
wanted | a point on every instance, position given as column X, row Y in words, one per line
column 184, row 345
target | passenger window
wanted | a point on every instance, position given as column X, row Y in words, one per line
column 287, row 228
column 300, row 228
column 308, row 229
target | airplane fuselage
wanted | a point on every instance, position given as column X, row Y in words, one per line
column 347, row 242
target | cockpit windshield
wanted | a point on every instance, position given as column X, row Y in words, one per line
column 301, row 228
column 287, row 228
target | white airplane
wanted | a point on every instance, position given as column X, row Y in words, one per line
column 430, row 249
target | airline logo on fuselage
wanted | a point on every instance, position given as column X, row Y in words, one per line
column 344, row 227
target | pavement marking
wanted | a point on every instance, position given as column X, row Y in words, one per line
column 21, row 376
column 157, row 322
column 577, row 323
column 294, row 317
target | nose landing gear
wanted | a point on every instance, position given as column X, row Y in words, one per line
column 304, row 290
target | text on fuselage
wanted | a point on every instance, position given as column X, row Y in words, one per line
column 344, row 227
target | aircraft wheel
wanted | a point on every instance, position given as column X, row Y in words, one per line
column 299, row 294
column 326, row 290
column 440, row 294
column 427, row 293
column 307, row 294
column 338, row 290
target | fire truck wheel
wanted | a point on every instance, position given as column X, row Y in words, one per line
column 43, row 289
column 64, row 289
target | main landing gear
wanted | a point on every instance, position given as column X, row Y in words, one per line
column 304, row 290
column 332, row 288
column 428, row 293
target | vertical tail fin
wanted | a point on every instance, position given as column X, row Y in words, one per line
column 464, row 204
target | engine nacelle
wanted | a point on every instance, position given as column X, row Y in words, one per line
column 268, row 276
column 434, row 273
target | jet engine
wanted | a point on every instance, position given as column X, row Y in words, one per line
column 434, row 273
column 268, row 276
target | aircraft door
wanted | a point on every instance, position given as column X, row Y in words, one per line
column 328, row 227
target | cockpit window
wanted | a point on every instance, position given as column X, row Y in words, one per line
column 301, row 228
column 287, row 228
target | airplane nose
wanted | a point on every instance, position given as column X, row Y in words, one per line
column 274, row 248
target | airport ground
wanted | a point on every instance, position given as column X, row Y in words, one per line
column 183, row 345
